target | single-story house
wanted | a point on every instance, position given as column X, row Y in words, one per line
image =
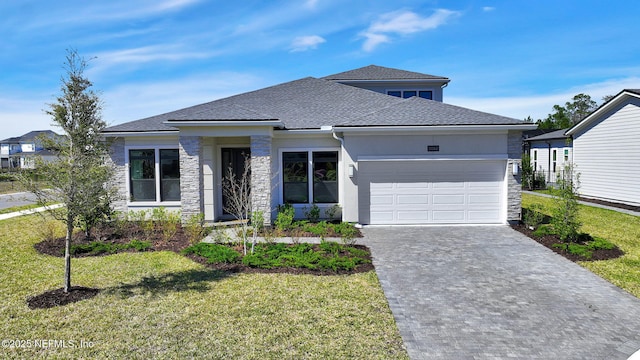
column 606, row 150
column 379, row 142
column 549, row 153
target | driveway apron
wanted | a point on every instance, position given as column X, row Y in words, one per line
column 489, row 292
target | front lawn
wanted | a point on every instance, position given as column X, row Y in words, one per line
column 621, row 229
column 166, row 306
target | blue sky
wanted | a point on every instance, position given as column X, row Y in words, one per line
column 513, row 58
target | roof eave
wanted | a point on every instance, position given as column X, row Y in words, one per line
column 139, row 133
column 497, row 127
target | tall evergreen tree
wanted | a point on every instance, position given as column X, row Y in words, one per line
column 79, row 178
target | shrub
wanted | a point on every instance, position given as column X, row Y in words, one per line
column 99, row 247
column 194, row 228
column 214, row 253
column 542, row 231
column 565, row 214
column 319, row 229
column 533, row 216
column 347, row 232
column 167, row 221
column 312, row 213
column 332, row 212
column 139, row 245
column 286, row 214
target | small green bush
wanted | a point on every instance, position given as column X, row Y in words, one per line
column 286, row 214
column 542, row 231
column 600, row 243
column 194, row 228
column 319, row 229
column 312, row 213
column 347, row 232
column 533, row 216
column 139, row 245
column 214, row 253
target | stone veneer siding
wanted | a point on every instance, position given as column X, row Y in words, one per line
column 261, row 175
column 514, row 182
column 190, row 176
column 117, row 160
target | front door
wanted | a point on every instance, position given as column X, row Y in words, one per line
column 233, row 164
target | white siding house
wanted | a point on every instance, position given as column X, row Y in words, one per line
column 606, row 150
column 550, row 153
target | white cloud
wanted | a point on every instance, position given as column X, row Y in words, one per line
column 304, row 43
column 403, row 22
column 488, row 8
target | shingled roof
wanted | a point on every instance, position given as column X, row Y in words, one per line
column 311, row 103
column 374, row 72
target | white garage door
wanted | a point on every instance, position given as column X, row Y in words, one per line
column 431, row 192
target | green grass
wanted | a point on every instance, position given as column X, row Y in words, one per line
column 621, row 229
column 163, row 305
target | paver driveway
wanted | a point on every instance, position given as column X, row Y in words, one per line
column 487, row 292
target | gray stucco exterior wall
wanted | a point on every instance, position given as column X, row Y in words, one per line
column 117, row 160
column 514, row 182
column 261, row 175
column 190, row 176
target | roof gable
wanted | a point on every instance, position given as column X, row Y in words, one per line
column 621, row 97
column 374, row 72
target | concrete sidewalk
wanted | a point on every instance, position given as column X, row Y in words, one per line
column 29, row 211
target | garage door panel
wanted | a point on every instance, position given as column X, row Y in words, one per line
column 382, row 200
column 484, row 199
column 448, row 199
column 424, row 192
column 412, row 199
column 449, row 215
column 413, row 216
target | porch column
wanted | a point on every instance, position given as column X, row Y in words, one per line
column 261, row 175
column 190, row 176
column 514, row 182
column 116, row 160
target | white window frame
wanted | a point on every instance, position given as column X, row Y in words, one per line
column 309, row 152
column 156, row 150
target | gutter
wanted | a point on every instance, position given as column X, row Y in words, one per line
column 366, row 129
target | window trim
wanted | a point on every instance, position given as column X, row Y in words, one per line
column 310, row 184
column 156, row 150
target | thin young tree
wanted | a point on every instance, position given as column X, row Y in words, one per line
column 237, row 192
column 79, row 177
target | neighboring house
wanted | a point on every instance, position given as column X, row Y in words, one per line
column 606, row 150
column 19, row 152
column 369, row 140
column 549, row 153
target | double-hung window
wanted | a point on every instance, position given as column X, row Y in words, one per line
column 310, row 177
column 154, row 175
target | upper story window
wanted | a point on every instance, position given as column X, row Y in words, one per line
column 405, row 94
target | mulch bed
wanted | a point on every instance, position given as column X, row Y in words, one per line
column 58, row 297
column 176, row 244
column 549, row 240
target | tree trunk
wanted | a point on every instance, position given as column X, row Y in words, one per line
column 67, row 256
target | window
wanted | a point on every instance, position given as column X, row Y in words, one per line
column 554, row 160
column 153, row 169
column 169, row 175
column 566, row 154
column 425, row 94
column 298, row 167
